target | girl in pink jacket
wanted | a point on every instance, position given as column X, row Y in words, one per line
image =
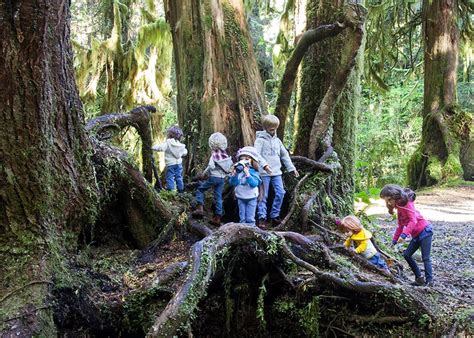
column 410, row 223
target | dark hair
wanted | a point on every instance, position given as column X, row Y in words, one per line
column 401, row 195
column 174, row 132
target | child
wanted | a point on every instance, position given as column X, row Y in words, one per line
column 362, row 238
column 245, row 179
column 218, row 168
column 174, row 151
column 410, row 222
column 272, row 153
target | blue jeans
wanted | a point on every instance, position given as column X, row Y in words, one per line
column 247, row 210
column 174, row 172
column 424, row 241
column 277, row 183
column 218, row 184
column 378, row 261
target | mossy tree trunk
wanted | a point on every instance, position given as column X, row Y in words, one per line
column 445, row 128
column 320, row 64
column 47, row 182
column 219, row 85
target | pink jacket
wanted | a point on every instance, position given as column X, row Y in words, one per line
column 410, row 221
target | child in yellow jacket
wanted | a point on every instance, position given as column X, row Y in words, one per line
column 362, row 241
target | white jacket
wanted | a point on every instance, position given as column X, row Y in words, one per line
column 272, row 152
column 174, row 151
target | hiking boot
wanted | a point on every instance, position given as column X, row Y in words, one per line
column 262, row 224
column 216, row 220
column 198, row 212
column 419, row 281
column 276, row 221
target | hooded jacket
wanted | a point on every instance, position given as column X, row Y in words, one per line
column 219, row 168
column 246, row 187
column 410, row 221
column 272, row 153
column 363, row 244
column 174, row 151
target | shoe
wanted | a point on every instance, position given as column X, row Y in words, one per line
column 216, row 220
column 262, row 224
column 429, row 284
column 419, row 281
column 198, row 212
column 276, row 221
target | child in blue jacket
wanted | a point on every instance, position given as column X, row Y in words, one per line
column 246, row 180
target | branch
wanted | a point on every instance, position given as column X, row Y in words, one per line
column 288, row 79
column 322, row 118
column 106, row 126
column 315, row 165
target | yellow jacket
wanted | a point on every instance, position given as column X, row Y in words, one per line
column 362, row 242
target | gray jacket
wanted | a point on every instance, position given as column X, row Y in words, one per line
column 220, row 168
column 174, row 151
column 273, row 153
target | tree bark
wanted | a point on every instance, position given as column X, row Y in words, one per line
column 445, row 129
column 317, row 73
column 47, row 183
column 219, row 85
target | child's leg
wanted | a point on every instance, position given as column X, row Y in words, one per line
column 277, row 183
column 250, row 211
column 218, row 188
column 179, row 177
column 169, row 178
column 408, row 253
column 262, row 205
column 425, row 244
column 378, row 261
column 202, row 189
column 242, row 210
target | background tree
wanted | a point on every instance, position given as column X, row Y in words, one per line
column 218, row 83
column 445, row 128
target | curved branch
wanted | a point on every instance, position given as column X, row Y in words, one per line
column 106, row 126
column 315, row 165
column 288, row 79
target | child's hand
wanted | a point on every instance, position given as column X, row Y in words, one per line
column 246, row 171
column 400, row 240
column 296, row 173
column 268, row 169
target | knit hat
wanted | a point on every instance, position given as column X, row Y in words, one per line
column 249, row 151
column 217, row 141
column 270, row 121
column 174, row 132
column 351, row 223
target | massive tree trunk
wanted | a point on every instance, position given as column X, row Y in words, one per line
column 445, row 128
column 329, row 91
column 219, row 85
column 47, row 182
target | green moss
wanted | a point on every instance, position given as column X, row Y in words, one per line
column 434, row 169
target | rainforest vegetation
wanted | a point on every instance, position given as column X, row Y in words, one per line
column 368, row 93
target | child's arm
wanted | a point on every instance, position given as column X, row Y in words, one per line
column 362, row 246
column 253, row 180
column 185, row 152
column 285, row 158
column 409, row 213
column 160, row 147
column 348, row 242
column 234, row 180
column 398, row 232
column 259, row 145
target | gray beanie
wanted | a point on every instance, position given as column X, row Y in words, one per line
column 249, row 151
column 217, row 141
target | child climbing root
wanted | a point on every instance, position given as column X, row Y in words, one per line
column 410, row 223
column 362, row 239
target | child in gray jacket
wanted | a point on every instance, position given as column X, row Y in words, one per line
column 174, row 151
column 272, row 154
column 217, row 169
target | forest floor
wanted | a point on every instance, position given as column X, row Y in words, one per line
column 451, row 212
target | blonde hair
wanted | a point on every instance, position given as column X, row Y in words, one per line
column 351, row 223
column 270, row 121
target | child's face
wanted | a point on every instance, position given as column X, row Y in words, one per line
column 245, row 157
column 271, row 130
column 390, row 202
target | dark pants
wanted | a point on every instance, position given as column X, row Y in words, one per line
column 424, row 241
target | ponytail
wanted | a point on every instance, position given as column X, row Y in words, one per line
column 410, row 194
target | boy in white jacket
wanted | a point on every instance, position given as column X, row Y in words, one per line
column 174, row 151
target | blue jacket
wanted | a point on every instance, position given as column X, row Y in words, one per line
column 246, row 187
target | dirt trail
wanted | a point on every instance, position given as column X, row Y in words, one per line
column 451, row 211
